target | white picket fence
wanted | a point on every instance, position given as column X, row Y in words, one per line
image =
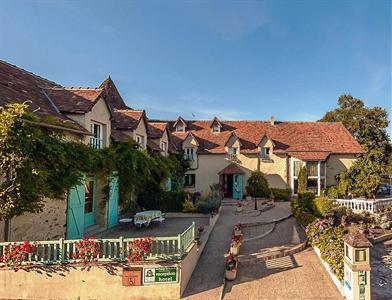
column 360, row 205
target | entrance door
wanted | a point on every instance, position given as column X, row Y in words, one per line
column 229, row 186
column 75, row 212
column 113, row 202
column 89, row 202
column 237, row 186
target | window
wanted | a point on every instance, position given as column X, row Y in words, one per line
column 265, row 152
column 189, row 154
column 140, row 140
column 180, row 127
column 89, row 196
column 96, row 140
column 163, row 146
column 232, row 153
column 190, row 180
column 215, row 128
column 360, row 255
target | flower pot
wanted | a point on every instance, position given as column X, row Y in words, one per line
column 231, row 275
column 237, row 232
column 239, row 209
column 234, row 249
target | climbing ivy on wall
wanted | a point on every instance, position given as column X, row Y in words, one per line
column 36, row 162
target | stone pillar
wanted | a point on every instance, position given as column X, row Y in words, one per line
column 357, row 266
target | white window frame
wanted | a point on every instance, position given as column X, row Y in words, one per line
column 189, row 153
column 215, row 128
column 264, row 154
column 96, row 141
column 163, row 146
column 318, row 177
column 232, row 153
column 180, row 127
column 140, row 140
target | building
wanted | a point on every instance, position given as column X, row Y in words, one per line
column 226, row 152
column 83, row 114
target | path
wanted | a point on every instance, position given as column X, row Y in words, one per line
column 300, row 277
column 207, row 278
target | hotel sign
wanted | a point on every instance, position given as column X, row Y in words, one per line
column 160, row 275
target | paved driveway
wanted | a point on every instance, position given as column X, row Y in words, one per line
column 298, row 277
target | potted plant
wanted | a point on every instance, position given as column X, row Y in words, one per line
column 239, row 207
column 231, row 267
column 200, row 230
column 235, row 244
column 238, row 229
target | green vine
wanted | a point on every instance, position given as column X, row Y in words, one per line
column 38, row 162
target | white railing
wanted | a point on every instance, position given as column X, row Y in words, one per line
column 359, row 205
column 96, row 143
column 60, row 251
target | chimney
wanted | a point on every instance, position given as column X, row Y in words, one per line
column 272, row 120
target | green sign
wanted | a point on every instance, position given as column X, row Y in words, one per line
column 160, row 275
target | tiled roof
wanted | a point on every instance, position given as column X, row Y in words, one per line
column 18, row 86
column 356, row 239
column 112, row 95
column 119, row 135
column 231, row 169
column 287, row 136
column 127, row 118
column 74, row 100
column 152, row 146
column 156, row 129
column 310, row 155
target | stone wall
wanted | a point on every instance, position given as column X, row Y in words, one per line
column 50, row 224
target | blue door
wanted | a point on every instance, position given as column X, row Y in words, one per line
column 237, row 186
column 113, row 201
column 89, row 202
column 75, row 213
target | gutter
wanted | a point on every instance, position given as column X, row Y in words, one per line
column 58, row 127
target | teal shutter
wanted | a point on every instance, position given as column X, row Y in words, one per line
column 237, row 186
column 240, row 186
column 113, row 201
column 75, row 213
column 169, row 184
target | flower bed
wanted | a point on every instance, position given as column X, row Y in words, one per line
column 87, row 252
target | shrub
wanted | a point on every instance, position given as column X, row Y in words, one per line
column 302, row 180
column 173, row 201
column 329, row 239
column 306, row 201
column 207, row 205
column 257, row 185
column 281, row 194
column 188, row 206
column 324, row 207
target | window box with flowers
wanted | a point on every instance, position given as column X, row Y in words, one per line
column 231, row 267
column 235, row 244
column 87, row 252
column 16, row 255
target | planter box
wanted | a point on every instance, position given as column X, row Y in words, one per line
column 239, row 209
column 237, row 232
column 235, row 250
column 231, row 275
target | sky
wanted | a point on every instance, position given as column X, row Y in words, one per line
column 200, row 59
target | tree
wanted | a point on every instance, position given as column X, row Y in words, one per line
column 257, row 186
column 368, row 125
column 302, row 180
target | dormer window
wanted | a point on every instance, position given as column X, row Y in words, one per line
column 189, row 154
column 265, row 153
column 232, row 153
column 215, row 128
column 96, row 141
column 180, row 128
column 163, row 146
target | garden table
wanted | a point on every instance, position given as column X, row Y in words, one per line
column 146, row 217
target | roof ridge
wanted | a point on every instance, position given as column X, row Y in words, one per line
column 28, row 72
